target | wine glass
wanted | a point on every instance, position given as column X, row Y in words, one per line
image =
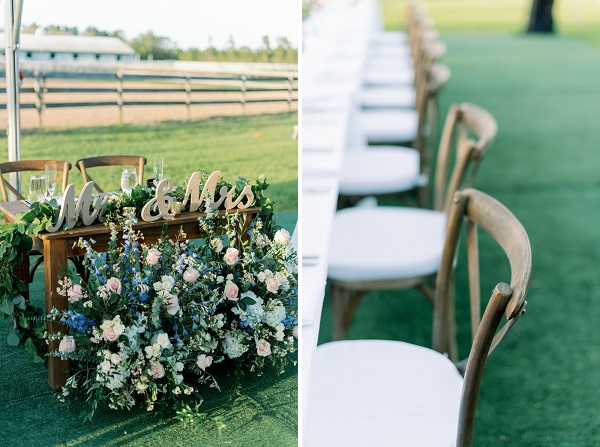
column 37, row 188
column 128, row 180
column 158, row 167
column 51, row 178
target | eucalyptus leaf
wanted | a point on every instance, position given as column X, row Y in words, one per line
column 13, row 339
column 19, row 301
column 7, row 307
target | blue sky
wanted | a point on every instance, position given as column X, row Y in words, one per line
column 189, row 23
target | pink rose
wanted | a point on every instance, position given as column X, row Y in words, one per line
column 110, row 334
column 190, row 275
column 172, row 305
column 153, row 256
column 263, row 348
column 156, row 370
column 231, row 256
column 204, row 361
column 272, row 284
column 231, row 291
column 114, row 285
column 75, row 293
column 67, row 345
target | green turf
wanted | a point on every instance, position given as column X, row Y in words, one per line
column 576, row 18
column 542, row 386
column 250, row 146
column 265, row 413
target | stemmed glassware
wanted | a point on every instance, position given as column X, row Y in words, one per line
column 158, row 167
column 51, row 178
column 128, row 179
column 37, row 188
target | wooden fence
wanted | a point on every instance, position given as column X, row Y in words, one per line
column 49, row 90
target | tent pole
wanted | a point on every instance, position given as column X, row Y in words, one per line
column 12, row 89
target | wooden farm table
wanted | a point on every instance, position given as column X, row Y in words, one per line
column 57, row 247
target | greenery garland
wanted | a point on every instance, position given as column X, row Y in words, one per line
column 28, row 322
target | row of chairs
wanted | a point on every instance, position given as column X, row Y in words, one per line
column 390, row 392
column 64, row 167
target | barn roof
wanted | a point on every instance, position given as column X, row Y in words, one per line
column 72, row 44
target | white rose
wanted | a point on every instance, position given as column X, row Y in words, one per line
column 67, row 345
column 282, row 236
column 115, row 359
column 204, row 361
column 263, row 348
column 105, row 366
column 261, row 276
column 295, row 332
column 163, row 340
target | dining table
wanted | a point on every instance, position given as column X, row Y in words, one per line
column 57, row 247
column 336, row 41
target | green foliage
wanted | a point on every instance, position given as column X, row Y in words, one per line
column 150, row 45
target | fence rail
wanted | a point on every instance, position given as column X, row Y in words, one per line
column 184, row 90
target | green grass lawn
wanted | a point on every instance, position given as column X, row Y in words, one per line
column 265, row 412
column 575, row 18
column 542, row 386
column 248, row 146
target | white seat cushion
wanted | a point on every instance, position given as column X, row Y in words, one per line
column 402, row 96
column 378, row 170
column 382, row 393
column 389, row 38
column 381, row 76
column 385, row 243
column 389, row 126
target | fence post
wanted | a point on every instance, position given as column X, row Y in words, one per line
column 290, row 89
column 188, row 96
column 120, row 94
column 244, row 94
column 39, row 86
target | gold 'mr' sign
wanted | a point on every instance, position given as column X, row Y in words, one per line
column 91, row 208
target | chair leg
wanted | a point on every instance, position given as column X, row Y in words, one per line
column 451, row 323
column 427, row 291
column 339, row 298
column 353, row 300
column 423, row 199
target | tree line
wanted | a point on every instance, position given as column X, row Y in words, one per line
column 155, row 47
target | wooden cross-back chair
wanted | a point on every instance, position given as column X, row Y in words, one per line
column 411, row 253
column 414, row 396
column 110, row 160
column 26, row 271
column 63, row 168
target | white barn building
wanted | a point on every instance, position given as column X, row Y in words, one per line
column 40, row 47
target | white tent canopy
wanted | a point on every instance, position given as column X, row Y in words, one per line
column 13, row 10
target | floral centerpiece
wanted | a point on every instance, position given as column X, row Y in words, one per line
column 149, row 321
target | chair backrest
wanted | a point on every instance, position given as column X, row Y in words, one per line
column 426, row 107
column 477, row 209
column 63, row 168
column 469, row 132
column 111, row 160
